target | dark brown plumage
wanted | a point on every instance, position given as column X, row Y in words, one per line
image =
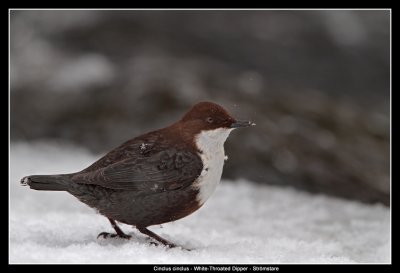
column 147, row 180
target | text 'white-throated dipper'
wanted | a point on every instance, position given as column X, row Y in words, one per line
column 155, row 178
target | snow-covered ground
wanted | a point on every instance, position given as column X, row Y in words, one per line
column 241, row 223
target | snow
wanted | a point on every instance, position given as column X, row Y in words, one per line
column 241, row 223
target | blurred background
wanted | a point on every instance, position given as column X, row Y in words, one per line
column 317, row 83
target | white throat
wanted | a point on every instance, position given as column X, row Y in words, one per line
column 211, row 145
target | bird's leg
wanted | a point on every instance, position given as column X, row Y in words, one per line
column 119, row 232
column 155, row 236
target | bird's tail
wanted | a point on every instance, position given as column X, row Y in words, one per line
column 46, row 182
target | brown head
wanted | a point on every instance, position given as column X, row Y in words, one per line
column 209, row 116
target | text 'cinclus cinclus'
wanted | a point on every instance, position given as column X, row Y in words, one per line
column 155, row 178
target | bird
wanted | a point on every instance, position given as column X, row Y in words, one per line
column 155, row 178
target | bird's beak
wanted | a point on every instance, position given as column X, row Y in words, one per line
column 242, row 123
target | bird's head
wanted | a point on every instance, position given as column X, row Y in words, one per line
column 209, row 116
column 212, row 120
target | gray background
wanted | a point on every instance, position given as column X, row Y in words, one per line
column 315, row 82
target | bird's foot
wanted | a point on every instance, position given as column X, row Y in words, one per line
column 167, row 244
column 157, row 238
column 107, row 235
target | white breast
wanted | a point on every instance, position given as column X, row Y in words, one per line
column 211, row 145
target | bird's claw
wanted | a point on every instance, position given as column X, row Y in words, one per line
column 106, row 235
column 167, row 244
column 153, row 243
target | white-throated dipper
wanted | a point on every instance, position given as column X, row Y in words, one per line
column 155, row 178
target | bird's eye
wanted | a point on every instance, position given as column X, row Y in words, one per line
column 210, row 120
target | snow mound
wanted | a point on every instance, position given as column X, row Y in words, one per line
column 241, row 223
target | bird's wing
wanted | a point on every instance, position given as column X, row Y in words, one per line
column 143, row 146
column 163, row 171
